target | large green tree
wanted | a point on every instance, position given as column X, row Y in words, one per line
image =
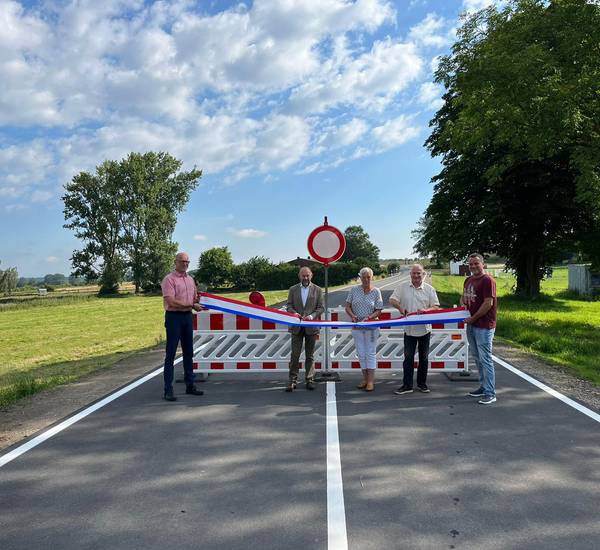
column 215, row 267
column 360, row 247
column 247, row 274
column 154, row 191
column 125, row 214
column 519, row 137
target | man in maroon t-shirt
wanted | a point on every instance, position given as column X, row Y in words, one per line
column 479, row 296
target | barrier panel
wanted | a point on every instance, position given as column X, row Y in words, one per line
column 234, row 343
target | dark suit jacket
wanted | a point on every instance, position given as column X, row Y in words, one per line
column 314, row 305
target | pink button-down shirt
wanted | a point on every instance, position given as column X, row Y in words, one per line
column 179, row 286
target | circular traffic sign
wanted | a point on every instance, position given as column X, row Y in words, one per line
column 326, row 244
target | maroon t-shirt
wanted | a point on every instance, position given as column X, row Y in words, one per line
column 476, row 289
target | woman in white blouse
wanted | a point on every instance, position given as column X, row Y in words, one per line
column 364, row 303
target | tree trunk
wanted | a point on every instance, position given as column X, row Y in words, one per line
column 528, row 276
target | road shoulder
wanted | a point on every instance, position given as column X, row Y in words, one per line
column 556, row 376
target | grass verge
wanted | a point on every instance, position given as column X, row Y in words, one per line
column 558, row 326
column 56, row 341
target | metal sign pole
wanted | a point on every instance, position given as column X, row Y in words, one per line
column 326, row 244
column 326, row 347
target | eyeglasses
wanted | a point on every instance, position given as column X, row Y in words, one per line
column 183, row 261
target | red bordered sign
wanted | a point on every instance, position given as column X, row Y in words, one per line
column 326, row 244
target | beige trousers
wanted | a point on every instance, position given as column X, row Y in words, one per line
column 309, row 341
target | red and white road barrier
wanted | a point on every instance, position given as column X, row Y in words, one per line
column 248, row 338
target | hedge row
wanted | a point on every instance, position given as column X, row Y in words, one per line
column 282, row 276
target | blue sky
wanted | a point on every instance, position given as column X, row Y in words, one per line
column 294, row 109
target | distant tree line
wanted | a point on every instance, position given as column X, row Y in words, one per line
column 216, row 268
column 51, row 279
column 125, row 214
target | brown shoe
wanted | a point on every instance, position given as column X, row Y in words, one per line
column 362, row 385
column 291, row 387
column 369, row 387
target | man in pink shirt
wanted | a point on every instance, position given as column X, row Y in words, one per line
column 179, row 299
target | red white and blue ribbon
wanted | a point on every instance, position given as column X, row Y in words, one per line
column 235, row 307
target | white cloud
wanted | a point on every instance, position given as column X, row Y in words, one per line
column 474, row 5
column 311, row 168
column 427, row 32
column 200, row 237
column 52, row 259
column 395, row 132
column 281, row 142
column 344, row 135
column 41, row 196
column 250, row 89
column 24, row 166
column 430, row 94
column 247, row 233
column 370, row 81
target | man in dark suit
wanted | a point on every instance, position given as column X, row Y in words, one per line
column 305, row 299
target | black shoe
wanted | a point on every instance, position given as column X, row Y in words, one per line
column 423, row 388
column 290, row 387
column 193, row 390
column 169, row 395
column 487, row 400
column 477, row 393
column 310, row 385
column 403, row 389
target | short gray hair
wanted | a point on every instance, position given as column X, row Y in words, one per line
column 478, row 256
column 364, row 271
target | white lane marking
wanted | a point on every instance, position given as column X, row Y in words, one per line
column 548, row 389
column 21, row 449
column 336, row 512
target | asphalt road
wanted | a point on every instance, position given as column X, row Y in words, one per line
column 245, row 467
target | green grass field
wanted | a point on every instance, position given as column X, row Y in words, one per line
column 558, row 326
column 51, row 341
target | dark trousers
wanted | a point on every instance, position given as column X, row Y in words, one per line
column 410, row 346
column 179, row 329
column 309, row 341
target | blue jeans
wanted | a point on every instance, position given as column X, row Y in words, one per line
column 480, row 344
column 179, row 329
